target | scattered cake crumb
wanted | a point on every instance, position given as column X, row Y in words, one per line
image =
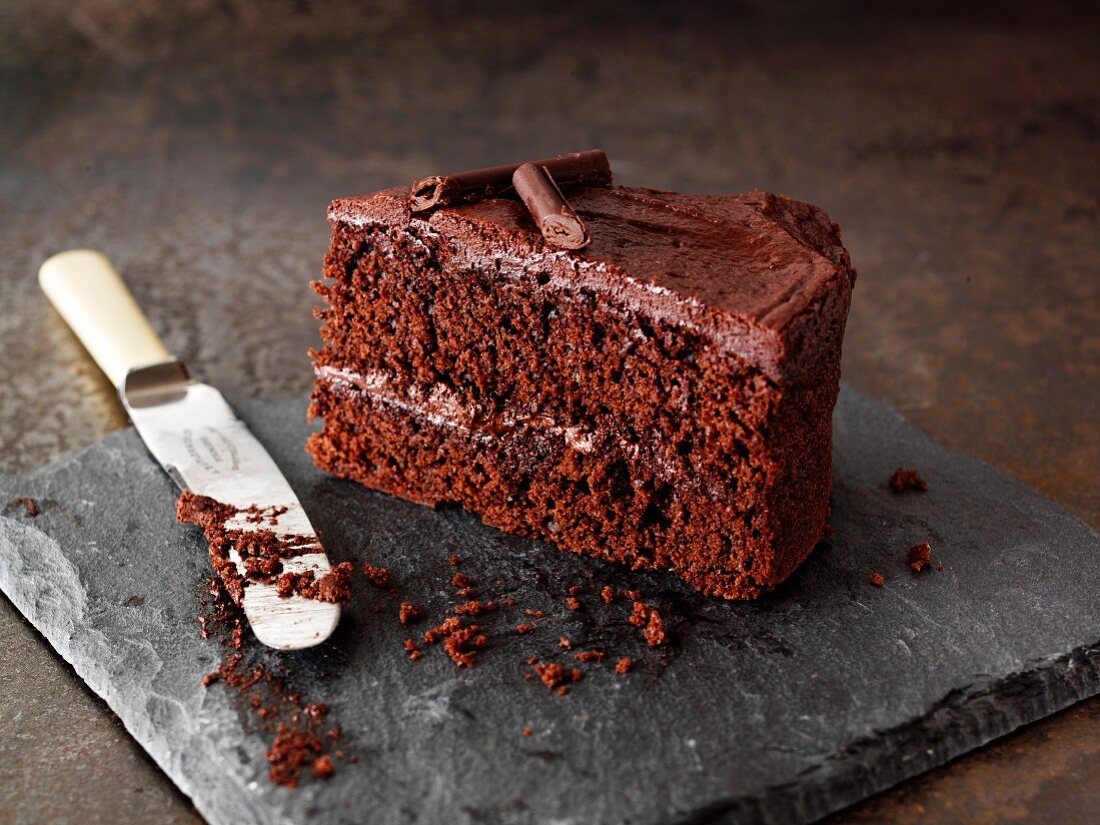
column 29, row 505
column 564, row 642
column 409, row 612
column 297, row 724
column 534, row 660
column 534, row 614
column 554, row 675
column 633, row 595
column 455, row 560
column 654, row 632
column 920, row 556
column 525, row 628
column 574, row 590
column 475, row 608
column 572, row 603
column 624, row 665
column 461, row 580
column 460, row 641
column 640, row 614
column 877, row 579
column 589, row 656
column 379, row 576
column 322, row 767
column 608, row 594
column 527, row 731
column 903, row 480
column 292, row 750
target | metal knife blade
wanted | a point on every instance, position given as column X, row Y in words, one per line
column 194, row 434
column 201, row 443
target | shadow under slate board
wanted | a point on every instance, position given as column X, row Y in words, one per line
column 778, row 710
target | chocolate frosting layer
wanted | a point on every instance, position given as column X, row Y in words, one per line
column 748, row 268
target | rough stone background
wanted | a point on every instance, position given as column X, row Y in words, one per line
column 778, row 710
column 198, row 143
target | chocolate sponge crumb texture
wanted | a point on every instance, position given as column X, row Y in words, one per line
column 662, row 398
column 262, row 550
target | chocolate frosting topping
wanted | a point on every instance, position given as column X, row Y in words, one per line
column 718, row 251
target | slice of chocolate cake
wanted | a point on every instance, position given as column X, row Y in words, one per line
column 661, row 398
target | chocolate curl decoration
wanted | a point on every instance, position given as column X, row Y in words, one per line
column 589, row 168
column 554, row 217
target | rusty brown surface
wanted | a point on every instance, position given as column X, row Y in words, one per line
column 197, row 144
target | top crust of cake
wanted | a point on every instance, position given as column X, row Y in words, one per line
column 750, row 271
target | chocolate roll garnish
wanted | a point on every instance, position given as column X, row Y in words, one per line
column 553, row 215
column 589, row 168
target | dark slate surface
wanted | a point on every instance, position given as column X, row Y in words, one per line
column 778, row 710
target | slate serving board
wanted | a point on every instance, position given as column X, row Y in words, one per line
column 779, row 710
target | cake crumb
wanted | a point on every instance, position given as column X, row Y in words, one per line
column 29, row 505
column 903, row 480
column 608, row 594
column 633, row 595
column 534, row 660
column 574, row 590
column 379, row 576
column 589, row 656
column 475, row 608
column 534, row 614
column 640, row 614
column 654, row 632
column 564, row 642
column 409, row 612
column 460, row 641
column 455, row 560
column 920, row 556
column 877, row 579
column 554, row 675
column 461, row 580
column 525, row 628
column 462, row 644
column 572, row 603
column 624, row 665
column 322, row 767
column 527, row 731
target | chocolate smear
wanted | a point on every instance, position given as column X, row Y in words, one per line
column 553, row 215
column 590, row 168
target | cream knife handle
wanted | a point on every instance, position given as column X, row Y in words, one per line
column 93, row 300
